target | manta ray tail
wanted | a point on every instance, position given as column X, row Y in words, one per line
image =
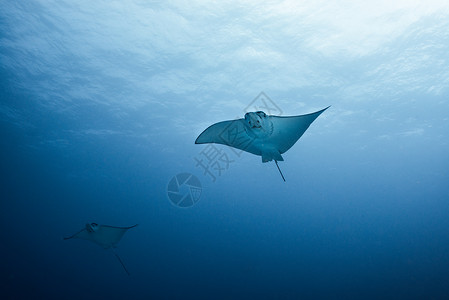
column 279, row 169
column 120, row 260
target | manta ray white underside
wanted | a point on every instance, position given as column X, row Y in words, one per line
column 260, row 134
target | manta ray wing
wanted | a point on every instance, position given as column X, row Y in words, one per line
column 82, row 234
column 105, row 236
column 232, row 133
column 288, row 130
column 109, row 236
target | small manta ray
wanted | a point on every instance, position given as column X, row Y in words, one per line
column 260, row 134
column 103, row 235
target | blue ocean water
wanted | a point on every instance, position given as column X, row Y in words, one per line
column 101, row 102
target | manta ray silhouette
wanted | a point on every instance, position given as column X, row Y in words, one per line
column 260, row 134
column 103, row 235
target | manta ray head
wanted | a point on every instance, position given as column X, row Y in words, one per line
column 258, row 124
column 92, row 227
column 255, row 119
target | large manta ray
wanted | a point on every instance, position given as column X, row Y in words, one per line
column 103, row 235
column 260, row 134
